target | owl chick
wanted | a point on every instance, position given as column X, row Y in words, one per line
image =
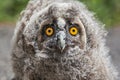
column 60, row 40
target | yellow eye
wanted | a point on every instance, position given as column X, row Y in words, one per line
column 73, row 31
column 49, row 31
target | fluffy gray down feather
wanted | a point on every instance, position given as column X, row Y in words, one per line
column 93, row 63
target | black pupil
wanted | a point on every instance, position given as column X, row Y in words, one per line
column 73, row 30
column 49, row 30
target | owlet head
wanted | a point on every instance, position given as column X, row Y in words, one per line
column 60, row 29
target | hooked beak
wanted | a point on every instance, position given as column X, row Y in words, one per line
column 61, row 40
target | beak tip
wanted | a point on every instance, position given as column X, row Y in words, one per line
column 62, row 48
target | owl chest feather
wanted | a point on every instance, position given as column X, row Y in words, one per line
column 64, row 69
column 78, row 67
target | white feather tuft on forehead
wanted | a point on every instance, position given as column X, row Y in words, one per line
column 61, row 22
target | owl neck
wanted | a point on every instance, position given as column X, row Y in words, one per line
column 79, row 67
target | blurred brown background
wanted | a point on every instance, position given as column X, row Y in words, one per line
column 107, row 11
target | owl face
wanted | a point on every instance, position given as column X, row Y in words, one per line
column 60, row 30
column 60, row 34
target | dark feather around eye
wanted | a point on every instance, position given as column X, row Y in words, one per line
column 75, row 25
column 45, row 27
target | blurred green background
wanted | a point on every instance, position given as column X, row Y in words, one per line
column 108, row 11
